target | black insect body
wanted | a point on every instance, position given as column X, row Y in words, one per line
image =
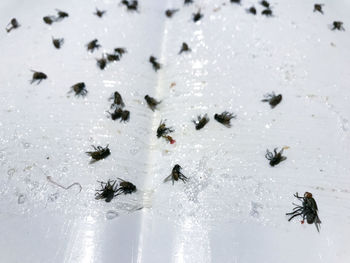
column 197, row 16
column 101, row 62
column 201, row 121
column 170, row 12
column 184, row 48
column 188, row 2
column 272, row 99
column 49, row 19
column 265, row 4
column 252, row 10
column 275, row 157
column 126, row 187
column 120, row 51
column 338, row 25
column 152, row 102
column 92, row 45
column 79, row 89
column 61, row 15
column 318, row 8
column 117, row 100
column 267, row 12
column 99, row 153
column 12, row 25
column 163, row 130
column 130, row 5
column 117, row 114
column 176, row 175
column 307, row 210
column 125, row 116
column 38, row 76
column 108, row 191
column 57, row 42
column 156, row 66
column 112, row 57
column 99, row 13
column 225, row 118
column 235, row 1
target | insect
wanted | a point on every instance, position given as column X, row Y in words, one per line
column 99, row 153
column 117, row 100
column 101, row 62
column 265, row 4
column 252, row 10
column 126, row 187
column 318, row 8
column 156, row 66
column 163, row 130
column 267, row 12
column 49, row 19
column 307, row 210
column 225, row 118
column 99, row 13
column 272, row 99
column 12, row 25
column 184, row 48
column 57, row 42
column 131, row 6
column 116, row 114
column 61, row 15
column 338, row 25
column 108, row 191
column 112, row 57
column 152, row 102
column 120, row 51
column 170, row 12
column 197, row 16
column 79, row 89
column 236, row 1
column 92, row 45
column 188, row 2
column 38, row 76
column 276, row 157
column 176, row 175
column 125, row 115
column 201, row 121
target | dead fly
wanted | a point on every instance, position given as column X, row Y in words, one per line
column 267, row 12
column 101, row 62
column 197, row 16
column 272, row 99
column 163, row 131
column 49, row 19
column 265, row 4
column 201, row 121
column 130, row 5
column 235, row 1
column 184, row 48
column 225, row 118
column 12, row 25
column 38, row 76
column 99, row 153
column 57, row 42
column 252, row 10
column 123, row 115
column 275, row 157
column 99, row 13
column 318, row 8
column 188, row 2
column 156, row 66
column 79, row 89
column 170, row 12
column 307, row 210
column 152, row 102
column 108, row 191
column 92, row 45
column 61, row 15
column 112, row 57
column 126, row 187
column 117, row 100
column 120, row 51
column 338, row 25
column 176, row 175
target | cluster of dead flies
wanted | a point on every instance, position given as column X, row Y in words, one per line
column 307, row 210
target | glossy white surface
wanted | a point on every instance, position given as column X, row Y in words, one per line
column 233, row 207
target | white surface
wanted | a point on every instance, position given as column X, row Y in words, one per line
column 233, row 208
